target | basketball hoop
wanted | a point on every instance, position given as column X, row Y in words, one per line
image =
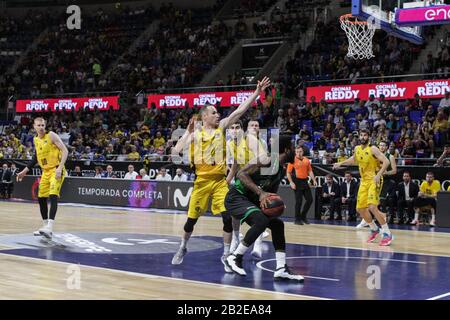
column 359, row 34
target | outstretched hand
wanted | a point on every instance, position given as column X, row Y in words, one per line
column 263, row 84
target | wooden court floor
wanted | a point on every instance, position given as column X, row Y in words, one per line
column 24, row 277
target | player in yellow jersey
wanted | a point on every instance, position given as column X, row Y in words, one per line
column 51, row 155
column 427, row 197
column 245, row 148
column 207, row 147
column 368, row 159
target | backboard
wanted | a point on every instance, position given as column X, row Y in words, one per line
column 384, row 13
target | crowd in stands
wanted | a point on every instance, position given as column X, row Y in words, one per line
column 66, row 61
column 415, row 128
column 185, row 46
column 16, row 35
column 252, row 7
column 325, row 58
column 181, row 51
column 439, row 60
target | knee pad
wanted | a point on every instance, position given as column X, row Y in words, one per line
column 227, row 222
column 189, row 225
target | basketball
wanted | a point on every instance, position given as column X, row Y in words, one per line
column 275, row 206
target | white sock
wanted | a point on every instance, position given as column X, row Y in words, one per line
column 183, row 243
column 373, row 226
column 281, row 259
column 416, row 217
column 236, row 235
column 258, row 241
column 241, row 249
column 433, row 217
column 45, row 222
column 385, row 229
column 50, row 224
column 363, row 221
column 226, row 248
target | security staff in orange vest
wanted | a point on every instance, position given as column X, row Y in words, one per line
column 299, row 183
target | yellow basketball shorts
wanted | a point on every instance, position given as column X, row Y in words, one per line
column 206, row 188
column 368, row 193
column 49, row 185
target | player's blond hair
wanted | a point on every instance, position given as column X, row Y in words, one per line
column 39, row 119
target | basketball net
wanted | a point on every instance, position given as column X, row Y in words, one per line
column 359, row 34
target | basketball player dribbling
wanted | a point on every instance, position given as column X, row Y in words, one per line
column 245, row 201
column 368, row 159
column 208, row 154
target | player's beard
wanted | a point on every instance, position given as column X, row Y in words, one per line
column 364, row 142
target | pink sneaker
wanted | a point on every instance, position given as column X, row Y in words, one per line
column 386, row 240
column 373, row 236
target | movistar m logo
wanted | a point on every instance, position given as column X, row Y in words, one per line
column 183, row 200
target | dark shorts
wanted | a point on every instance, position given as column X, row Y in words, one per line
column 423, row 202
column 388, row 188
column 239, row 206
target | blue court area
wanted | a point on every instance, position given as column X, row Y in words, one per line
column 336, row 273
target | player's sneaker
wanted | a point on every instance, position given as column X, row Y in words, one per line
column 179, row 256
column 235, row 263
column 414, row 222
column 37, row 233
column 373, row 235
column 241, row 236
column 284, row 273
column 46, row 232
column 225, row 265
column 362, row 224
column 386, row 240
column 432, row 223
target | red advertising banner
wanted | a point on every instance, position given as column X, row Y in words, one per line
column 180, row 100
column 428, row 89
column 52, row 105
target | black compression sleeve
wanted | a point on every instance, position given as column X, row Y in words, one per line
column 32, row 162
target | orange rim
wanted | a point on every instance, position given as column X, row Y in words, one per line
column 350, row 19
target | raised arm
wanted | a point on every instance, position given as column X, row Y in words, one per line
column 236, row 114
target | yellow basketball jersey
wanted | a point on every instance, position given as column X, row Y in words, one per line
column 48, row 154
column 243, row 153
column 208, row 153
column 367, row 163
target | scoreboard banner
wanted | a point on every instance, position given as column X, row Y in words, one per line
column 428, row 89
column 60, row 104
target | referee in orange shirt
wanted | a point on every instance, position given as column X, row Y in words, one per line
column 299, row 183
